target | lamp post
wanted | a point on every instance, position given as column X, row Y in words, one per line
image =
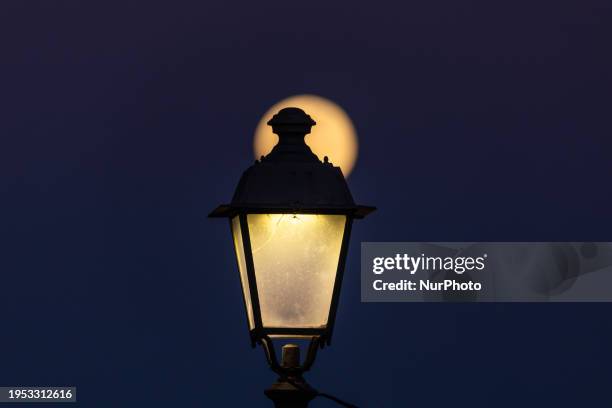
column 291, row 218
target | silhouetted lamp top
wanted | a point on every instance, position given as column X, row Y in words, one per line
column 290, row 219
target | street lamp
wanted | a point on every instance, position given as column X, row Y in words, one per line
column 290, row 219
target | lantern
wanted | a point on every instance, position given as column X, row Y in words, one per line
column 290, row 219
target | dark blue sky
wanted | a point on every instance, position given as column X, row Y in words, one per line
column 123, row 124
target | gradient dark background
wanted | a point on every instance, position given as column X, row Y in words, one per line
column 123, row 124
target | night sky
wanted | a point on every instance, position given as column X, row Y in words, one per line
column 123, row 124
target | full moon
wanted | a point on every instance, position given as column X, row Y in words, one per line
column 333, row 136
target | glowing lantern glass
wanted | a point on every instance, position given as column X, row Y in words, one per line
column 291, row 218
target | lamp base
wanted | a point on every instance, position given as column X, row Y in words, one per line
column 294, row 394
